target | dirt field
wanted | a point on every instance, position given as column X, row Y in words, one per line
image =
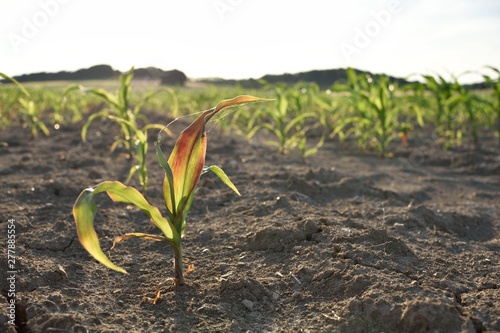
column 343, row 242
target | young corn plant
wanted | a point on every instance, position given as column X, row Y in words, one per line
column 30, row 113
column 134, row 138
column 375, row 122
column 416, row 102
column 458, row 110
column 444, row 108
column 473, row 107
column 245, row 123
column 288, row 122
column 182, row 171
column 8, row 104
column 495, row 105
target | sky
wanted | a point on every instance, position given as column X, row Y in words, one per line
column 237, row 39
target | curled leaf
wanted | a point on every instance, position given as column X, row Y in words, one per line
column 137, row 234
column 84, row 212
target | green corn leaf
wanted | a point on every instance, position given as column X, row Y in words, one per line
column 110, row 98
column 84, row 212
column 42, row 127
column 91, row 118
column 157, row 126
column 298, row 120
column 131, row 173
column 124, row 91
column 19, row 85
column 72, row 88
column 352, row 77
column 140, row 133
column 222, row 175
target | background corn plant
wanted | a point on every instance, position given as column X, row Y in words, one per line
column 375, row 115
column 30, row 112
column 290, row 120
column 453, row 109
column 444, row 112
column 495, row 99
column 372, row 110
column 134, row 137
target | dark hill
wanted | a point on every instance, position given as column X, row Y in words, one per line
column 99, row 72
column 323, row 78
column 105, row 72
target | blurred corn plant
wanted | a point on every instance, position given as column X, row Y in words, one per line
column 444, row 108
column 30, row 112
column 291, row 121
column 171, row 103
column 182, row 171
column 73, row 107
column 471, row 105
column 453, row 109
column 245, row 123
column 133, row 137
column 495, row 103
column 414, row 100
column 375, row 119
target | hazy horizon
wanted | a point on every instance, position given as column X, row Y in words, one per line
column 234, row 39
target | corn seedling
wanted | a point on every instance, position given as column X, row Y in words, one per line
column 30, row 111
column 121, row 112
column 182, row 171
column 375, row 121
column 245, row 123
column 495, row 105
column 8, row 104
column 171, row 103
column 457, row 110
column 445, row 109
column 120, row 108
column 287, row 121
column 471, row 104
column 74, row 106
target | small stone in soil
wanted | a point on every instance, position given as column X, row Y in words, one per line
column 248, row 304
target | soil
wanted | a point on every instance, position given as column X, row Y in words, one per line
column 344, row 241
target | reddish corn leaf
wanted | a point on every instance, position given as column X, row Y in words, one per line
column 188, row 159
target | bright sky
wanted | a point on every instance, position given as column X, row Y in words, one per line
column 251, row 38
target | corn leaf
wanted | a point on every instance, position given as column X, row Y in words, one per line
column 124, row 92
column 19, row 85
column 84, row 212
column 168, row 191
column 110, row 98
column 222, row 175
column 139, row 235
column 187, row 160
column 91, row 118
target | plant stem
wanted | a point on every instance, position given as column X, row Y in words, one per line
column 179, row 272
